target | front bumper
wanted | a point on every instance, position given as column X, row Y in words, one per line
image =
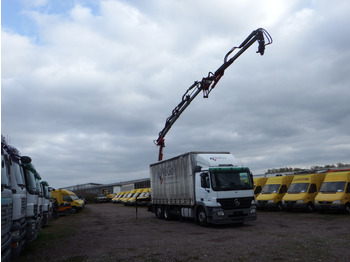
column 325, row 207
column 231, row 216
column 262, row 204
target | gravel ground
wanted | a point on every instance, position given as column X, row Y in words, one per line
column 112, row 232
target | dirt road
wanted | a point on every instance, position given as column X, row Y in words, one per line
column 111, row 232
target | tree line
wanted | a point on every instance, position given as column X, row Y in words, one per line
column 297, row 169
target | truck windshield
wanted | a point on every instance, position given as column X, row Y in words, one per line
column 18, row 173
column 38, row 187
column 46, row 192
column 30, row 181
column 231, row 180
column 74, row 197
column 270, row 188
column 298, row 188
column 4, row 173
column 332, row 187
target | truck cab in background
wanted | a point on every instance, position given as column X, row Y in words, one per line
column 32, row 213
column 39, row 189
column 6, row 207
column 47, row 204
column 19, row 189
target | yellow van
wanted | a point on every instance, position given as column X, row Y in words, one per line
column 115, row 198
column 259, row 183
column 110, row 196
column 65, row 197
column 302, row 192
column 273, row 191
column 335, row 192
column 123, row 194
column 144, row 198
column 127, row 196
column 132, row 200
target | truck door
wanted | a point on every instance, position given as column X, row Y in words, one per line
column 204, row 189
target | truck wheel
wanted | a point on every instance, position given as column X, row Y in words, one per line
column 310, row 207
column 166, row 214
column 159, row 212
column 73, row 210
column 202, row 217
column 279, row 207
column 347, row 209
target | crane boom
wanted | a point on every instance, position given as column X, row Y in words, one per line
column 208, row 83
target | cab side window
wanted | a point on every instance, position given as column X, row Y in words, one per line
column 66, row 198
column 312, row 188
column 283, row 189
column 348, row 188
column 257, row 190
column 205, row 180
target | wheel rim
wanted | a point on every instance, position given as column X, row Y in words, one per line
column 202, row 217
column 159, row 212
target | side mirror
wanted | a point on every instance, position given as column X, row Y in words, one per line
column 26, row 159
column 197, row 169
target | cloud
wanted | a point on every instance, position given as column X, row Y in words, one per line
column 87, row 91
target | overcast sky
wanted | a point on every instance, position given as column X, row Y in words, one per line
column 87, row 85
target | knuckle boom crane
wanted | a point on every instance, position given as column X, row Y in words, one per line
column 208, row 83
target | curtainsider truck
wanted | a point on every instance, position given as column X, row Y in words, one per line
column 209, row 187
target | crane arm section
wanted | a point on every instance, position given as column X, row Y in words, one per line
column 208, row 83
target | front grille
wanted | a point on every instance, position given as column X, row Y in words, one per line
column 23, row 205
column 235, row 203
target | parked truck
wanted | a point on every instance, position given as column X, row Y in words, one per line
column 334, row 193
column 209, row 187
column 302, row 192
column 273, row 191
column 6, row 208
column 47, row 204
column 32, row 213
column 19, row 189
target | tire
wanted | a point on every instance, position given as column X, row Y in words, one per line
column 159, row 212
column 202, row 217
column 73, row 210
column 279, row 207
column 347, row 209
column 310, row 208
column 166, row 214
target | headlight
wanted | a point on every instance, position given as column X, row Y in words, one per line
column 253, row 202
column 337, row 202
column 300, row 201
column 271, row 201
column 16, row 233
column 316, row 202
column 283, row 202
column 220, row 213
